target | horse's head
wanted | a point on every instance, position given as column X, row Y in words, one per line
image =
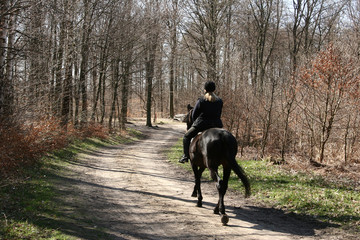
column 188, row 119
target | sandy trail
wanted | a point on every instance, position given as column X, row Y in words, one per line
column 133, row 192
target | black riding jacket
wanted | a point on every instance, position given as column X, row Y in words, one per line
column 207, row 114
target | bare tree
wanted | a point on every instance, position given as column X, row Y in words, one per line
column 70, row 49
column 38, row 68
column 172, row 25
column 150, row 48
column 205, row 28
column 99, row 88
column 87, row 24
column 312, row 23
column 265, row 20
column 329, row 78
column 129, row 37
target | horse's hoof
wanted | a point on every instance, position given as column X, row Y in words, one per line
column 224, row 219
column 199, row 204
column 216, row 211
column 194, row 194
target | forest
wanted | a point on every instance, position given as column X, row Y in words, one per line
column 287, row 71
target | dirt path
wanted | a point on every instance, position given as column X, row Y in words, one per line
column 133, row 192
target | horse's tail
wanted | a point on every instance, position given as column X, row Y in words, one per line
column 241, row 174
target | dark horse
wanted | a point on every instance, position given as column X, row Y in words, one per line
column 210, row 149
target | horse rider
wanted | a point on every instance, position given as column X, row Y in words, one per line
column 206, row 114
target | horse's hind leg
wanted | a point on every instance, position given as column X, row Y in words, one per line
column 215, row 176
column 197, row 188
column 222, row 186
column 223, row 189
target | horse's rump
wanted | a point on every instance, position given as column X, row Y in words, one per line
column 215, row 143
column 215, row 147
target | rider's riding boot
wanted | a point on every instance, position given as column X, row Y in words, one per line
column 184, row 159
column 186, row 146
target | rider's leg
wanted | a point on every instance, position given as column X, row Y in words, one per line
column 192, row 132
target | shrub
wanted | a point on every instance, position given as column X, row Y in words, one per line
column 23, row 144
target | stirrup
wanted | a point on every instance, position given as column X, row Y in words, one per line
column 184, row 159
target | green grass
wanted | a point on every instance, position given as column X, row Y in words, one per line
column 27, row 205
column 300, row 193
column 24, row 204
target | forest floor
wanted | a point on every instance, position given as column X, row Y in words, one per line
column 132, row 191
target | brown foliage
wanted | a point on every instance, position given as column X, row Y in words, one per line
column 94, row 130
column 24, row 144
column 327, row 96
column 329, row 71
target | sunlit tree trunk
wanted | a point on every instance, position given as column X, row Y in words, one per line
column 115, row 86
column 68, row 80
column 150, row 69
column 86, row 30
column 151, row 45
column 173, row 22
column 125, row 87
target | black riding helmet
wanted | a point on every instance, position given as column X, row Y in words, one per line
column 209, row 86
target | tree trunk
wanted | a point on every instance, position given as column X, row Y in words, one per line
column 6, row 85
column 115, row 86
column 125, row 89
column 67, row 94
column 149, row 82
column 95, row 90
column 151, row 45
column 172, row 74
column 173, row 46
column 76, row 91
column 86, row 30
column 38, row 74
column 60, row 59
column 268, row 120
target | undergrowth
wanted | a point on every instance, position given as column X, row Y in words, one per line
column 22, row 144
column 296, row 192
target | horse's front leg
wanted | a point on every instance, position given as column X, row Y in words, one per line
column 197, row 188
